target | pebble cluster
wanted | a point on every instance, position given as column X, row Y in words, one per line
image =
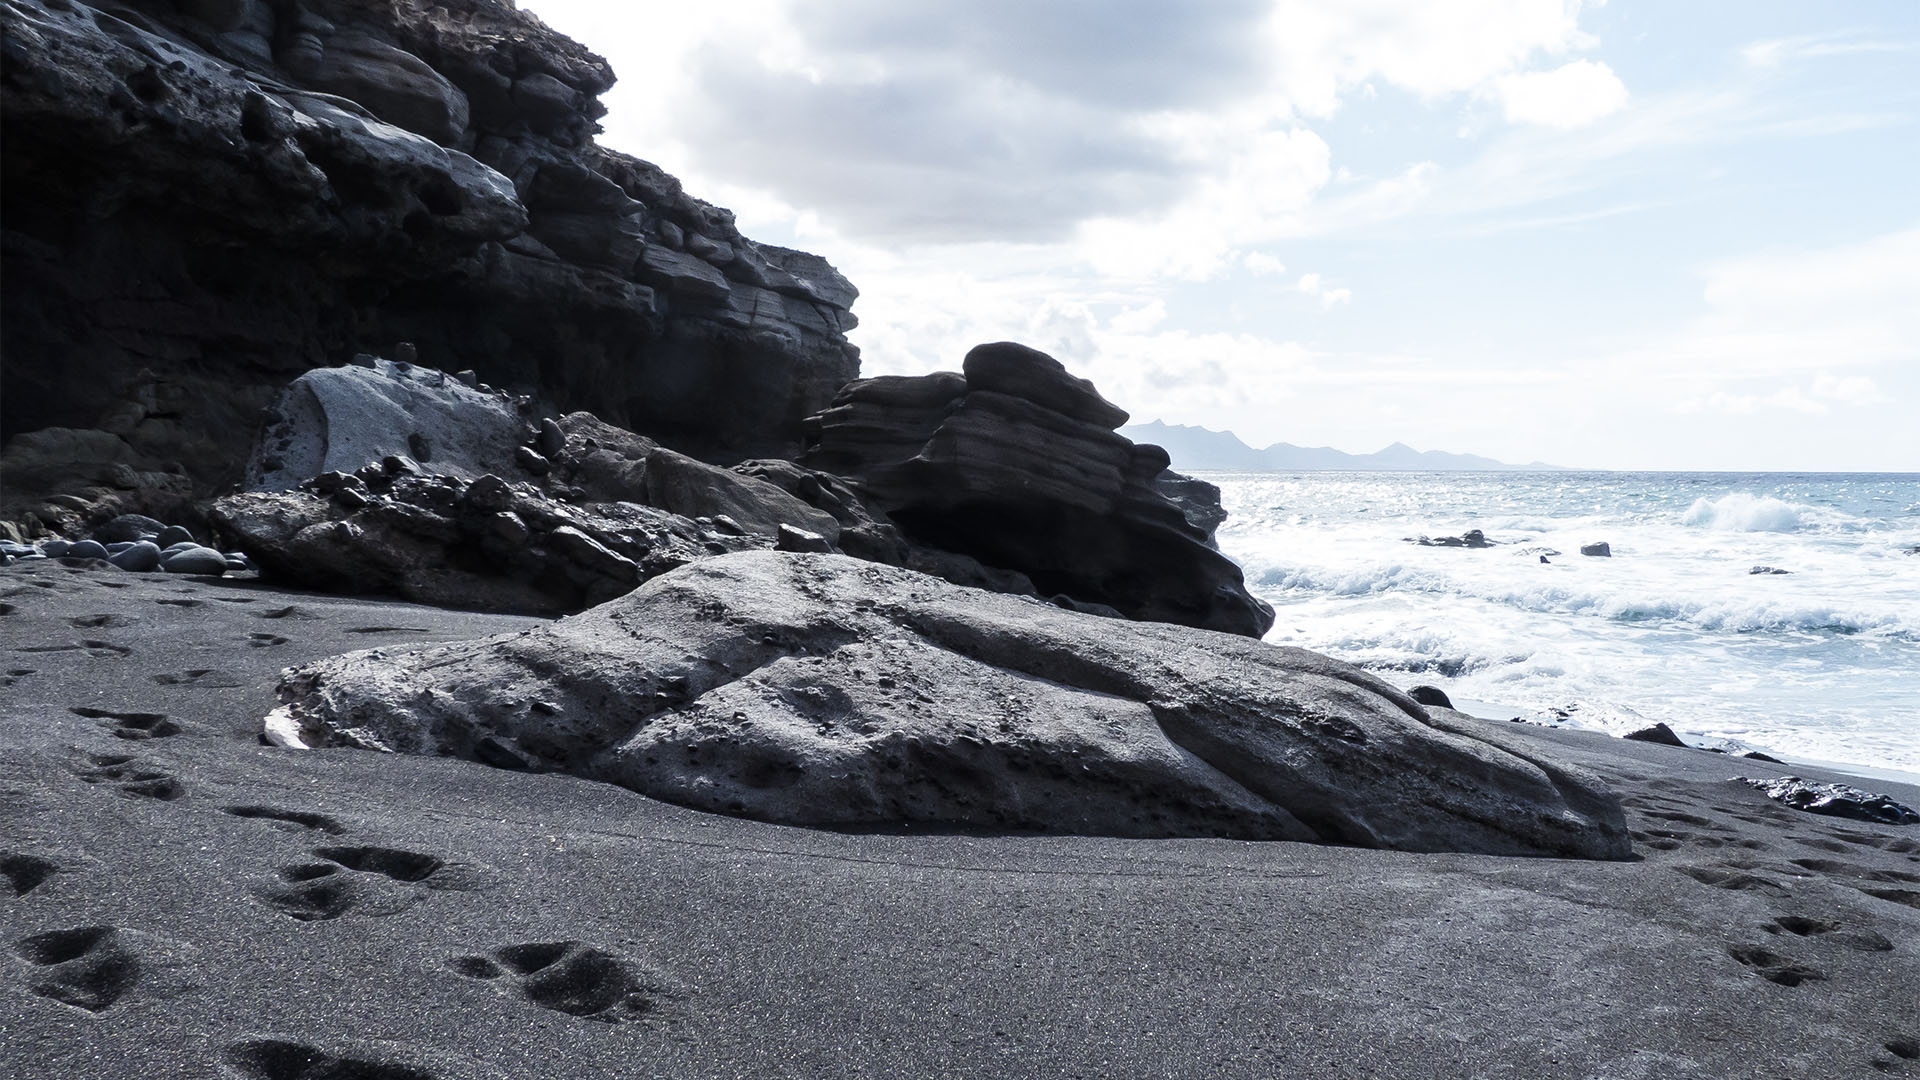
column 135, row 543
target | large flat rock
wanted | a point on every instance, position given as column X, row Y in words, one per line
column 821, row 690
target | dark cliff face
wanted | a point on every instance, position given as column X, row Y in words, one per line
column 203, row 200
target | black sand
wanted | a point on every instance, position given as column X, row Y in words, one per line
column 179, row 900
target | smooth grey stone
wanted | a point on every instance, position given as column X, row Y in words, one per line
column 139, row 558
column 173, row 534
column 88, row 549
column 118, row 547
column 551, row 439
column 1598, row 550
column 56, row 548
column 195, row 560
column 180, row 545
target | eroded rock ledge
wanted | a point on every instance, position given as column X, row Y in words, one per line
column 203, row 200
column 822, row 690
column 1017, row 463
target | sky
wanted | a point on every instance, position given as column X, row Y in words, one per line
column 1632, row 235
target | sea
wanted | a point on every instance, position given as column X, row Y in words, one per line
column 1819, row 664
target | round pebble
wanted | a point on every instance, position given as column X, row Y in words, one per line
column 171, row 535
column 87, row 549
column 194, row 560
column 139, row 558
column 55, row 548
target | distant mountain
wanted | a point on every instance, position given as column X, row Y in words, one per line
column 1198, row 448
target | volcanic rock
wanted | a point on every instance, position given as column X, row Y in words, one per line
column 1015, row 463
column 1836, row 800
column 204, row 200
column 822, row 690
column 1600, row 549
column 1660, row 734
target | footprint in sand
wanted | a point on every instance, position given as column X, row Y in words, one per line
column 197, row 677
column 88, row 967
column 1732, row 877
column 25, row 873
column 572, row 977
column 132, row 725
column 131, row 777
column 265, row 641
column 292, row 611
column 282, row 1059
column 1802, row 926
column 172, row 601
column 14, row 675
column 101, row 650
column 98, row 622
column 1773, row 967
column 373, row 881
column 290, row 820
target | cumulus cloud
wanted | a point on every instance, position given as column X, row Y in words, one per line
column 1314, row 287
column 1573, row 95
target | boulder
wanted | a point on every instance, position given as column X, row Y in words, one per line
column 338, row 419
column 1472, row 538
column 194, row 559
column 1768, row 570
column 1599, row 549
column 1836, row 800
column 822, row 690
column 1015, row 463
column 1430, row 695
column 128, row 527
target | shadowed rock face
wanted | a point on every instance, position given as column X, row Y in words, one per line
column 821, row 690
column 204, row 200
column 1016, row 463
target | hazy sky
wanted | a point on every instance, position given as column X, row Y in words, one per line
column 1644, row 234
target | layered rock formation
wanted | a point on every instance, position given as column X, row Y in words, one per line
column 1016, row 463
column 821, row 690
column 203, row 200
column 392, row 478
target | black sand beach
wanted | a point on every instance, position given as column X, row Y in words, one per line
column 183, row 901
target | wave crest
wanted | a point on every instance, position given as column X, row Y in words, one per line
column 1740, row 512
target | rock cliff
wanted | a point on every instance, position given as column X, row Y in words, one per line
column 204, row 199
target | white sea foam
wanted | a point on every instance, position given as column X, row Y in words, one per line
column 1741, row 512
column 1823, row 661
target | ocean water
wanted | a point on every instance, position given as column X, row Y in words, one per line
column 1818, row 664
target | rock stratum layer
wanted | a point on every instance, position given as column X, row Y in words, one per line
column 203, row 200
column 822, row 690
column 1016, row 463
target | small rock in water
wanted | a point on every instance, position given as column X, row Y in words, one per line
column 1543, row 559
column 1658, row 733
column 1472, row 538
column 1599, row 549
column 1768, row 570
column 1430, row 695
column 171, row 535
column 1835, row 800
column 1758, row 756
column 195, row 560
column 139, row 558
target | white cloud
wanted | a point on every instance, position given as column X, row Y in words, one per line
column 1263, row 264
column 1570, row 96
column 1779, row 51
column 1312, row 286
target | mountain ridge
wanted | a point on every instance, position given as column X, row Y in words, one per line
column 1203, row 449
